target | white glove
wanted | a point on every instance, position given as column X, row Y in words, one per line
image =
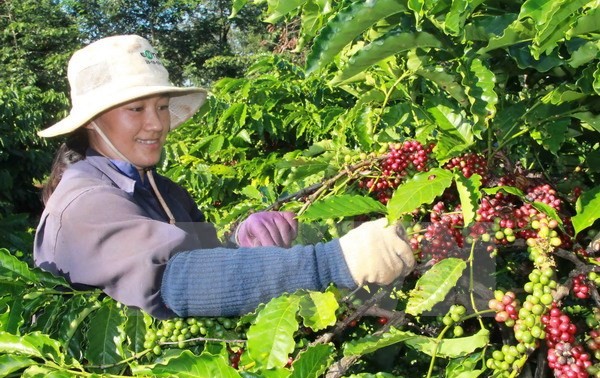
column 377, row 253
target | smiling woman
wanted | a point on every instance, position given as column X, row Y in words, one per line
column 139, row 130
column 112, row 222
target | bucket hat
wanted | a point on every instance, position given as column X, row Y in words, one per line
column 115, row 70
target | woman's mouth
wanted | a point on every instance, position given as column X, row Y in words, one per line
column 147, row 141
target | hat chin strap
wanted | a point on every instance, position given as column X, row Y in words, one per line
column 148, row 171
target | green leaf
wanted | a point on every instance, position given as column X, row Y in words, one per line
column 15, row 318
column 508, row 122
column 562, row 93
column 479, row 82
column 304, row 168
column 34, row 344
column 552, row 134
column 318, row 310
column 106, row 335
column 524, row 58
column 222, row 170
column 11, row 344
column 433, row 286
column 506, row 189
column 188, row 365
column 447, row 82
column 278, row 9
column 252, row 192
column 596, row 82
column 236, row 113
column 50, row 316
column 388, row 45
column 372, row 343
column 345, row 205
column 314, row 14
column 236, row 7
column 417, row 7
column 71, row 322
column 313, row 361
column 557, row 18
column 463, row 367
column 586, row 23
column 423, row 188
column 271, row 337
column 446, row 348
column 468, row 191
column 452, row 123
column 455, row 18
column 135, row 329
column 536, row 9
column 345, row 26
column 13, row 363
column 589, row 119
column 12, row 264
column 484, row 27
column 517, row 32
column 585, row 53
column 548, row 210
column 216, row 144
column 450, row 348
column 363, row 126
column 588, row 209
column 38, row 371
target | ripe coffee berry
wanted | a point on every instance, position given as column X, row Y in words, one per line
column 580, row 289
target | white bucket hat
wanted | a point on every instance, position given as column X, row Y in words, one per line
column 116, row 70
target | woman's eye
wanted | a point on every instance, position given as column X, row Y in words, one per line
column 163, row 107
column 137, row 109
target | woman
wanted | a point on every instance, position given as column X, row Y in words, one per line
column 112, row 222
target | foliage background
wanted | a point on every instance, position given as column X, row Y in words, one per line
column 307, row 97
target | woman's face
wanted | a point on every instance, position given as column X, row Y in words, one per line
column 137, row 129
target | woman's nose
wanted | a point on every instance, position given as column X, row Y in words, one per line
column 155, row 120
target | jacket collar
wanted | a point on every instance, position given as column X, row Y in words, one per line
column 123, row 174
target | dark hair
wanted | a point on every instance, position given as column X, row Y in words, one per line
column 71, row 151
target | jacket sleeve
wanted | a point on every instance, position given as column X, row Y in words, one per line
column 119, row 249
column 228, row 282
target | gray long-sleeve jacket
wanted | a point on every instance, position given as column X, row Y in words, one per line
column 104, row 229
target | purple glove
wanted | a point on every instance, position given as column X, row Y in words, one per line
column 267, row 228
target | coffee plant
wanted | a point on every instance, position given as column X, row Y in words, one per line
column 473, row 123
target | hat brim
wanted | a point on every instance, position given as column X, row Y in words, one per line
column 183, row 104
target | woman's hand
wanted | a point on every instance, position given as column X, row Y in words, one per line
column 267, row 228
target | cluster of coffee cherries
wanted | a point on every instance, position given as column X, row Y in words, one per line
column 402, row 160
column 593, row 343
column 509, row 358
column 544, row 241
column 235, row 355
column 185, row 332
column 453, row 317
column 544, row 193
column 442, row 237
column 529, row 327
column 525, row 319
column 565, row 356
column 501, row 219
column 580, row 288
column 469, row 164
column 506, row 306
